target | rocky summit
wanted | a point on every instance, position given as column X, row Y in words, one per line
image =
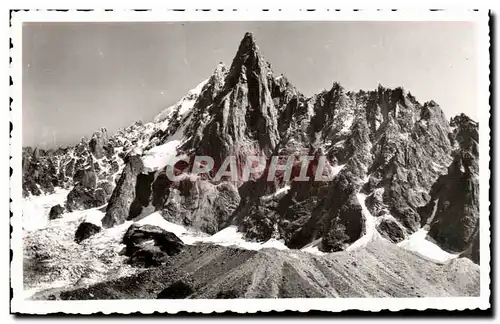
column 398, row 180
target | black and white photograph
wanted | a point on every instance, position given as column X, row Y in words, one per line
column 171, row 160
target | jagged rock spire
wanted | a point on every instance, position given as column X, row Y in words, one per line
column 243, row 112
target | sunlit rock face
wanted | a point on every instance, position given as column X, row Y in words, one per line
column 455, row 223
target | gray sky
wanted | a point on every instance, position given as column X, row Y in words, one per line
column 78, row 77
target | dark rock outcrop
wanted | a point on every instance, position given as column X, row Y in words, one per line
column 86, row 178
column 177, row 290
column 124, row 194
column 86, row 193
column 86, row 230
column 82, row 198
column 56, row 212
column 149, row 245
column 391, row 230
column 39, row 172
column 340, row 215
column 455, row 222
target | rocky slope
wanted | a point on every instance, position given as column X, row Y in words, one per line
column 204, row 271
column 393, row 171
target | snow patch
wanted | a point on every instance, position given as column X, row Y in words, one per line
column 160, row 156
column 274, row 244
column 347, row 124
column 438, row 167
column 418, row 242
column 36, row 208
column 404, row 136
column 281, row 191
column 229, row 236
column 336, row 169
column 157, row 220
column 313, row 248
column 310, row 110
column 94, row 216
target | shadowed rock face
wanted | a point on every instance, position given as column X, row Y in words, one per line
column 455, row 224
column 86, row 230
column 244, row 117
column 87, row 192
column 177, row 290
column 149, row 245
column 201, row 204
column 392, row 148
column 124, row 194
column 473, row 251
column 391, row 230
column 39, row 172
column 56, row 212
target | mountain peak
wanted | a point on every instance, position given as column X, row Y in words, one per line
column 249, row 35
column 248, row 42
column 247, row 49
column 462, row 119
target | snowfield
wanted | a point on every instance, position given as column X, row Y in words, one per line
column 230, row 236
column 52, row 260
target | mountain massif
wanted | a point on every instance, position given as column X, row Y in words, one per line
column 392, row 167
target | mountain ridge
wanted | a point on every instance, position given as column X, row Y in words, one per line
column 398, row 154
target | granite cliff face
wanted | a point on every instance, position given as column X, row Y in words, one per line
column 392, row 165
column 64, row 167
column 241, row 109
column 383, row 144
column 455, row 195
